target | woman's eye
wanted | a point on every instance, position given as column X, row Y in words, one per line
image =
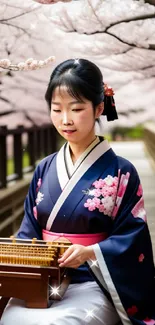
column 77, row 109
column 56, row 110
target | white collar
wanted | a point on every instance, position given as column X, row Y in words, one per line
column 69, row 163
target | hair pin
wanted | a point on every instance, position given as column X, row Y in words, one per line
column 108, row 91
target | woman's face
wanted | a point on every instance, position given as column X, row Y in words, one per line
column 73, row 119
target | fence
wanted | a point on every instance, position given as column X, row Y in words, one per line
column 41, row 141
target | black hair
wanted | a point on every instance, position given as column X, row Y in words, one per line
column 83, row 79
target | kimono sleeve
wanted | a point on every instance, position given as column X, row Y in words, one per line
column 125, row 258
column 30, row 227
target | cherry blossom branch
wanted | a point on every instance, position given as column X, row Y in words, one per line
column 150, row 47
column 151, row 2
column 17, row 27
column 29, row 64
column 127, row 20
column 19, row 15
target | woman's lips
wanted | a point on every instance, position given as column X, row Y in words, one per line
column 69, row 131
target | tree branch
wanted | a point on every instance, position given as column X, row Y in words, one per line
column 128, row 20
column 19, row 15
column 151, row 2
column 17, row 27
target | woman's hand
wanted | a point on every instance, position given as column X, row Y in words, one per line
column 76, row 255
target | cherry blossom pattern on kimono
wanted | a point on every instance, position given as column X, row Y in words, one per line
column 39, row 198
column 132, row 311
column 149, row 321
column 104, row 195
column 123, row 182
column 138, row 211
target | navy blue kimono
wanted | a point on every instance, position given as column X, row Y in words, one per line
column 103, row 194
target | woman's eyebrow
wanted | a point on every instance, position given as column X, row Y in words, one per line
column 76, row 102
column 55, row 103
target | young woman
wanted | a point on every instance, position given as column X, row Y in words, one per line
column 93, row 198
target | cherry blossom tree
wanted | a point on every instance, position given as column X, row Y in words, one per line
column 118, row 35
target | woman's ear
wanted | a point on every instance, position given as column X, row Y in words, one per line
column 99, row 110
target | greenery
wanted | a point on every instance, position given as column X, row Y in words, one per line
column 129, row 133
column 10, row 164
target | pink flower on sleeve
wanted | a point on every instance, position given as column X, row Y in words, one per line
column 149, row 321
column 38, row 184
column 138, row 211
column 141, row 257
column 90, row 204
column 101, row 208
column 140, row 190
column 35, row 212
column 97, row 192
column 132, row 311
column 104, row 195
column 121, row 191
column 99, row 184
column 123, row 184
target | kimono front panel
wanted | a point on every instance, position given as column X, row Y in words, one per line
column 73, row 216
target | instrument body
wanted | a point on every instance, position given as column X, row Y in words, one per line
column 29, row 271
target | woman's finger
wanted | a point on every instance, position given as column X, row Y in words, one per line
column 67, row 253
column 70, row 258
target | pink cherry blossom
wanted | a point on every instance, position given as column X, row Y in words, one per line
column 140, row 190
column 101, row 208
column 149, row 321
column 141, row 257
column 108, row 191
column 138, row 211
column 124, row 179
column 104, row 195
column 111, row 181
column 96, row 202
column 123, row 184
column 90, row 204
column 97, row 192
column 38, row 184
column 35, row 212
column 99, row 184
column 39, row 198
column 108, row 203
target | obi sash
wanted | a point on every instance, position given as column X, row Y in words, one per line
column 82, row 239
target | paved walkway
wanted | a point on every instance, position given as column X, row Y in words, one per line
column 135, row 152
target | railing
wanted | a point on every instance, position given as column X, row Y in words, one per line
column 41, row 141
column 149, row 139
column 38, row 142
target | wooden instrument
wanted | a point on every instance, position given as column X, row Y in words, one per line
column 29, row 270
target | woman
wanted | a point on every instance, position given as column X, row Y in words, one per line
column 93, row 198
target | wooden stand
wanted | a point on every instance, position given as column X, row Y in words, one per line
column 32, row 284
column 29, row 271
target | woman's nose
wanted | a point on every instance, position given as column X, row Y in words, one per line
column 66, row 119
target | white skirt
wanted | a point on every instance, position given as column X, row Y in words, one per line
column 83, row 303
